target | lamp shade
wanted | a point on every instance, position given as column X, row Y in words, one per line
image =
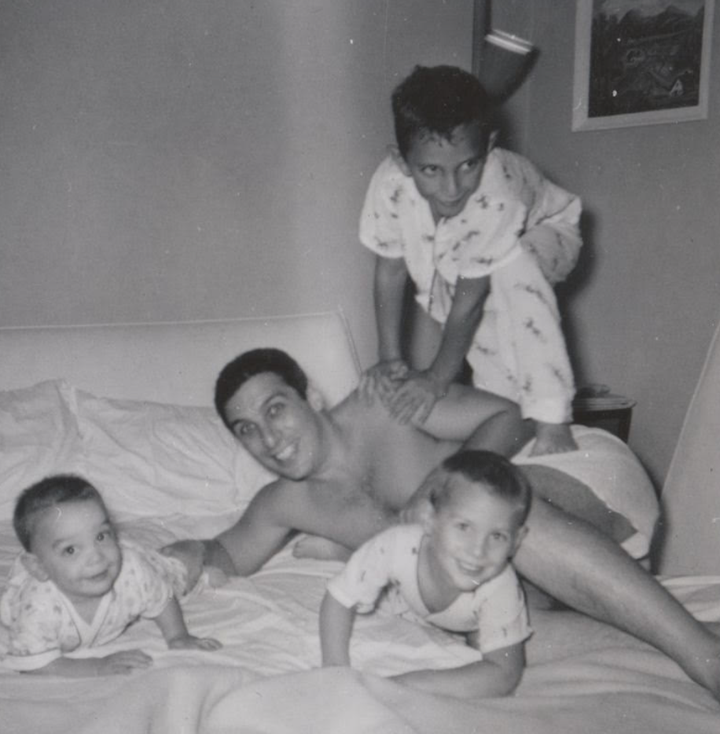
column 504, row 62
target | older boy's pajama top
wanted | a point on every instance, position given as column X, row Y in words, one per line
column 496, row 609
column 43, row 624
column 519, row 229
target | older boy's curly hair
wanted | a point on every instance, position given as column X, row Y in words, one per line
column 436, row 100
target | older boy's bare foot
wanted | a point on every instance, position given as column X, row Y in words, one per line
column 313, row 546
column 553, row 438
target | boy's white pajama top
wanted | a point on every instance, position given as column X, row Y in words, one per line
column 495, row 610
column 519, row 229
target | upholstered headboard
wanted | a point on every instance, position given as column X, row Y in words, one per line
column 175, row 362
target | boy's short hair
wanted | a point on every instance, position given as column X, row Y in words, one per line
column 254, row 362
column 45, row 494
column 499, row 476
column 436, row 100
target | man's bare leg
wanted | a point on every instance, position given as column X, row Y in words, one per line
column 478, row 420
column 575, row 563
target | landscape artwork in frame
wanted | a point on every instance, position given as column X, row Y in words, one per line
column 641, row 62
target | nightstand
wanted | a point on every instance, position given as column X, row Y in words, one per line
column 611, row 412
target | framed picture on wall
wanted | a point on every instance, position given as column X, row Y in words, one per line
column 641, row 62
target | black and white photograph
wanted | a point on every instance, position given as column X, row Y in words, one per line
column 359, row 367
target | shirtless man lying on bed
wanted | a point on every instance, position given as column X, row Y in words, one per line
column 346, row 473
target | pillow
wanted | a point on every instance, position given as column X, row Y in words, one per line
column 39, row 436
column 158, row 459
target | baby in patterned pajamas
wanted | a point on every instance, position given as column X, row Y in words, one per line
column 452, row 571
column 483, row 235
column 78, row 586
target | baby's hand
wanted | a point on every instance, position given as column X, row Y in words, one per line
column 190, row 642
column 123, row 662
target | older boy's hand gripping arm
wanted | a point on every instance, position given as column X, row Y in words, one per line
column 336, row 623
column 415, row 398
column 497, row 674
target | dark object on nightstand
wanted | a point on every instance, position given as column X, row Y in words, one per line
column 597, row 408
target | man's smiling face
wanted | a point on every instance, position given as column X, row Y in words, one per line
column 276, row 425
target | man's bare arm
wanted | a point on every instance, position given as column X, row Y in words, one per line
column 242, row 549
column 257, row 536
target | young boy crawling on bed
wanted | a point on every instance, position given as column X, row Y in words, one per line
column 77, row 585
column 453, row 571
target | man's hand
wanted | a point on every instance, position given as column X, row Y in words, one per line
column 190, row 642
column 192, row 554
column 124, row 662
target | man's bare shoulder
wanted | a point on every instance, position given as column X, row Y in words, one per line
column 361, row 414
column 278, row 492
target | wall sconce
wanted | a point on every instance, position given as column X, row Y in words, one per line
column 502, row 61
column 503, row 64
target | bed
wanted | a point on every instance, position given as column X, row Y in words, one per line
column 128, row 406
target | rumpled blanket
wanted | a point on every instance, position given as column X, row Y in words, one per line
column 615, row 475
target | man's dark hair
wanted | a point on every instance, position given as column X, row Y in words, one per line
column 234, row 374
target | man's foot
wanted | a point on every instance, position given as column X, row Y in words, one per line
column 553, row 438
column 313, row 546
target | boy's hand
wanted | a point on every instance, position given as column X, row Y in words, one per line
column 553, row 438
column 381, row 380
column 190, row 642
column 415, row 397
column 418, row 508
column 416, row 511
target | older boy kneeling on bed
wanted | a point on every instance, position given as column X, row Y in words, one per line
column 452, row 571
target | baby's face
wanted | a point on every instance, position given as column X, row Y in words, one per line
column 447, row 172
column 76, row 547
column 472, row 536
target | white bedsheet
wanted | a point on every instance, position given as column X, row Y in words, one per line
column 582, row 676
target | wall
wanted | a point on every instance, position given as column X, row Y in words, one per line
column 171, row 160
column 187, row 160
column 643, row 304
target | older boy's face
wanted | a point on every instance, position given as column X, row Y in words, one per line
column 447, row 172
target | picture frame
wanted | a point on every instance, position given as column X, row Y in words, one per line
column 641, row 62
